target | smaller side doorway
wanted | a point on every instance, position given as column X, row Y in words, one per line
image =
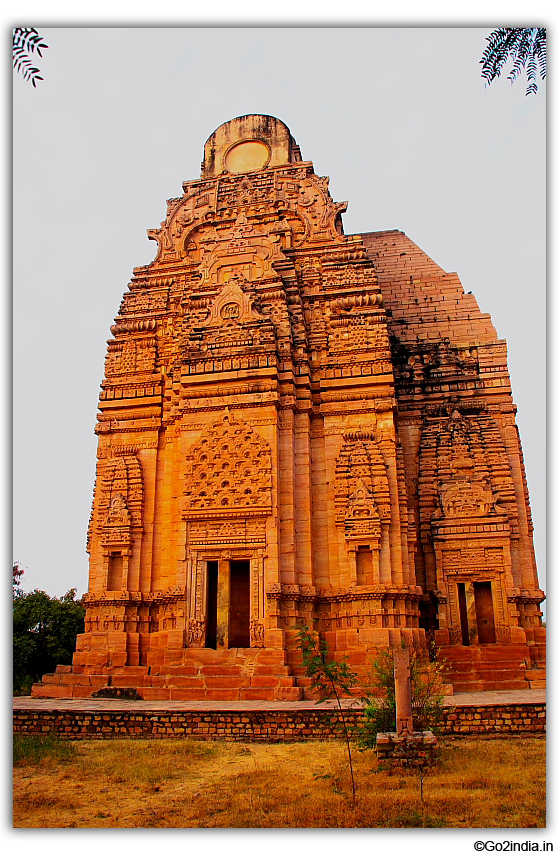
column 484, row 613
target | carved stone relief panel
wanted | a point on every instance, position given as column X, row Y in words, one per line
column 467, row 499
column 229, row 473
column 224, row 533
column 131, row 356
column 361, row 484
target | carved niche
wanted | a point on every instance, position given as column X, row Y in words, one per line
column 362, row 516
column 131, row 356
column 465, row 472
column 233, row 305
column 361, row 488
column 257, row 634
column 117, row 516
column 244, row 250
column 116, row 529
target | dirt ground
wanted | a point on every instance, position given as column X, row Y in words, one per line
column 185, row 783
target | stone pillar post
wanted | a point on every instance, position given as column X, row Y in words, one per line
column 385, row 556
column 222, row 623
column 471, row 613
column 403, row 691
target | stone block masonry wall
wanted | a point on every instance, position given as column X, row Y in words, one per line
column 273, row 726
column 406, row 750
column 424, row 300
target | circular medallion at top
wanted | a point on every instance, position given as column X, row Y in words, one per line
column 247, row 156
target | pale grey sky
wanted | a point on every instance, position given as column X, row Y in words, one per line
column 398, row 118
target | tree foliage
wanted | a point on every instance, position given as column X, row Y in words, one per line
column 331, row 678
column 44, row 632
column 25, row 41
column 380, row 703
column 527, row 48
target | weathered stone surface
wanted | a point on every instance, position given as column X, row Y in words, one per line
column 407, row 750
column 284, row 725
column 296, row 424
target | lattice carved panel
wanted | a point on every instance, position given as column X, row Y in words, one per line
column 229, row 473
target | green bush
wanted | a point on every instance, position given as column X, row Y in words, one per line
column 44, row 633
column 379, row 697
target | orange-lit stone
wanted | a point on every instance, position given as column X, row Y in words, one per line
column 300, row 425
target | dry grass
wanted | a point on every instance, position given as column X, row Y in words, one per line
column 185, row 783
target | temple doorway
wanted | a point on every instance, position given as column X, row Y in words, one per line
column 484, row 613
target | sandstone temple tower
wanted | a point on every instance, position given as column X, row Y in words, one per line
column 297, row 424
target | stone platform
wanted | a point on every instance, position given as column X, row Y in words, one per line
column 483, row 713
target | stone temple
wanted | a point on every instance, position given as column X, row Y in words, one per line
column 299, row 425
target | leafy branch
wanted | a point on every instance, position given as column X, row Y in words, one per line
column 525, row 45
column 25, row 41
column 330, row 678
column 379, row 699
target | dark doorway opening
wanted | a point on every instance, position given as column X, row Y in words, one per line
column 465, row 639
column 429, row 622
column 239, row 604
column 211, row 604
column 484, row 613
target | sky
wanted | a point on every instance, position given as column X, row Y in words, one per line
column 400, row 120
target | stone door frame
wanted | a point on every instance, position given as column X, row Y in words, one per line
column 198, row 605
column 497, row 588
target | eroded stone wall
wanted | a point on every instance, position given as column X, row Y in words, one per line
column 281, row 726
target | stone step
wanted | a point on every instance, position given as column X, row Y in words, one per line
column 303, row 680
column 184, row 671
column 51, row 678
column 499, row 668
column 270, row 669
column 49, row 691
column 465, row 686
column 288, row 694
column 496, row 685
column 237, row 656
column 131, row 671
column 187, row 682
column 538, row 652
column 536, row 678
column 484, row 652
column 535, row 674
column 220, row 676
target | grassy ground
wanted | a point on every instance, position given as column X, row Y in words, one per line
column 186, row 783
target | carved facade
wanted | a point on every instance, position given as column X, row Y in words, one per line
column 296, row 424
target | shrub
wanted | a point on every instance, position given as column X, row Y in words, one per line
column 44, row 633
column 331, row 678
column 379, row 697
